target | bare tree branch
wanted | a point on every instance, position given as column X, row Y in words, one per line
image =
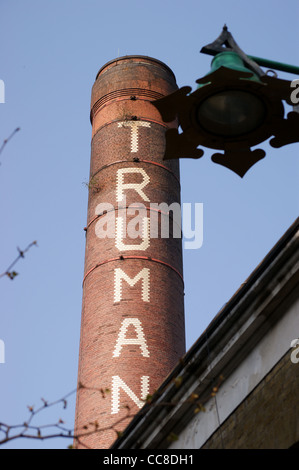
column 13, row 274
column 8, row 139
column 28, row 430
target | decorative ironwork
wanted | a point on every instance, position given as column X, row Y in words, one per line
column 268, row 92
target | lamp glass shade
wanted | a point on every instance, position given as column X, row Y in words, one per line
column 231, row 113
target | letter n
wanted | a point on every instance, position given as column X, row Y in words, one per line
column 118, row 383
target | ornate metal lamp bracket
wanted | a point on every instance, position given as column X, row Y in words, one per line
column 226, row 42
column 226, row 77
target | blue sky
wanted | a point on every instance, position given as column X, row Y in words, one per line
column 50, row 54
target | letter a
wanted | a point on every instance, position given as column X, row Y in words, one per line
column 139, row 339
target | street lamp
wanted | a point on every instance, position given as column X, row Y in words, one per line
column 235, row 107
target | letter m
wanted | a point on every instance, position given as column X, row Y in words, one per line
column 120, row 275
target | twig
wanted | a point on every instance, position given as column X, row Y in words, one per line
column 30, row 431
column 13, row 274
column 8, row 139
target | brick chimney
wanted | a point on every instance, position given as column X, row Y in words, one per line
column 132, row 327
